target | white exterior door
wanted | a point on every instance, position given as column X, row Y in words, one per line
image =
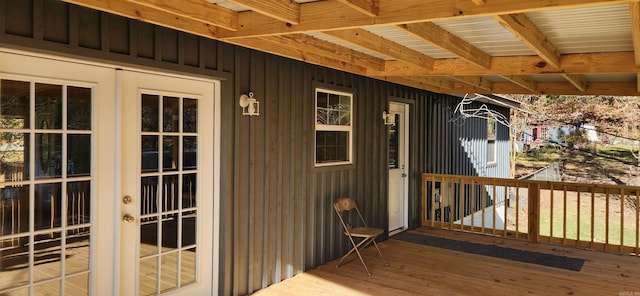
column 398, row 167
column 167, row 185
column 75, row 139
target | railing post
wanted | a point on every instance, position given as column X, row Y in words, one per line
column 534, row 212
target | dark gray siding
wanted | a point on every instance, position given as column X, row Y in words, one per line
column 277, row 218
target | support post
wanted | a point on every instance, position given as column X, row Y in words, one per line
column 534, row 212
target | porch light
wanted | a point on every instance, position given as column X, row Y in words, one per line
column 250, row 106
column 388, row 118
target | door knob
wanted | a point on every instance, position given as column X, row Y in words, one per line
column 128, row 218
column 127, row 199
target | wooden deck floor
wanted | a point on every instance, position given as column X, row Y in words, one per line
column 423, row 270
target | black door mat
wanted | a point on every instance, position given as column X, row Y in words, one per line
column 550, row 260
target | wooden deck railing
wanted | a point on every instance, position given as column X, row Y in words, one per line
column 596, row 216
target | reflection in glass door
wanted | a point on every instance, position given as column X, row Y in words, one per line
column 45, row 187
column 168, row 195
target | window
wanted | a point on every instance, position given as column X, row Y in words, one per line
column 491, row 140
column 333, row 127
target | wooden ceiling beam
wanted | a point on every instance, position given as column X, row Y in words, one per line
column 529, row 34
column 200, row 11
column 565, row 88
column 419, row 84
column 273, row 46
column 476, row 81
column 479, row 2
column 441, row 38
column 580, row 63
column 522, row 80
column 284, row 10
column 368, row 7
column 635, row 29
column 328, row 49
column 331, row 15
column 577, row 80
column 373, row 42
column 151, row 15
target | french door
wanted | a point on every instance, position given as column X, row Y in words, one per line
column 105, row 186
column 167, row 191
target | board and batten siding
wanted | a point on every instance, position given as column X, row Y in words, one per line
column 277, row 216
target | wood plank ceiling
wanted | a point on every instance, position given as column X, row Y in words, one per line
column 589, row 47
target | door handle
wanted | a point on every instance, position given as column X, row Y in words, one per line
column 404, row 175
column 128, row 218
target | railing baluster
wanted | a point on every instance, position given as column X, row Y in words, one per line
column 606, row 227
column 578, row 221
column 564, row 216
column 483, row 203
column 473, row 205
column 593, row 218
column 504, row 204
column 462, row 203
column 517, row 211
column 637, row 222
column 493, row 213
column 622, row 199
column 551, row 210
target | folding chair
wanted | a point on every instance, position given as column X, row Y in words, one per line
column 367, row 234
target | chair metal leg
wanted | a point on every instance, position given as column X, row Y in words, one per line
column 356, row 248
column 385, row 261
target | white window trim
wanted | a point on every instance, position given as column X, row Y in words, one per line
column 337, row 128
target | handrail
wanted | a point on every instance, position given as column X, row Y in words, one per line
column 598, row 216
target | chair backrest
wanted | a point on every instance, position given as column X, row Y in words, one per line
column 344, row 204
column 347, row 204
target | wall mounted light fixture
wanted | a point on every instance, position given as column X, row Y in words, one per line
column 388, row 118
column 250, row 106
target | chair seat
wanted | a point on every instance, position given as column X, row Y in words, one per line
column 365, row 231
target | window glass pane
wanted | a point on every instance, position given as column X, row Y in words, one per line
column 14, row 210
column 14, row 100
column 78, row 155
column 331, row 146
column 190, row 153
column 169, row 232
column 14, row 259
column 491, row 151
column 78, row 203
column 394, row 144
column 169, row 271
column 14, row 157
column 190, row 117
column 78, row 108
column 47, row 261
column 188, row 228
column 148, row 195
column 148, row 276
column 150, row 153
column 148, row 236
column 47, row 206
column 48, row 106
column 189, row 199
column 188, row 266
column 170, row 153
column 171, row 114
column 170, row 196
column 150, row 113
column 48, row 155
column 77, row 253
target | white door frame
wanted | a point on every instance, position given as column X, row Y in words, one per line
column 402, row 109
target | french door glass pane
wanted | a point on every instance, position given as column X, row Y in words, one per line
column 168, row 221
column 45, row 216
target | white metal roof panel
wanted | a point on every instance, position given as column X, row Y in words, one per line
column 486, row 34
column 399, row 36
column 604, row 28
